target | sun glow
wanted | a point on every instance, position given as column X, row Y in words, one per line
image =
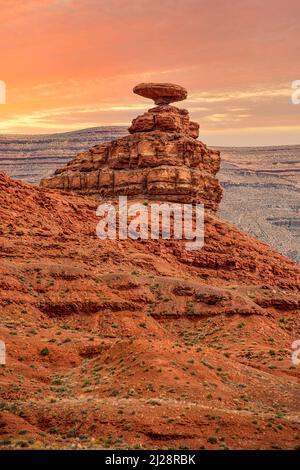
column 61, row 75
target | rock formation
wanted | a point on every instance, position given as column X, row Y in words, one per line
column 161, row 158
column 108, row 339
column 161, row 93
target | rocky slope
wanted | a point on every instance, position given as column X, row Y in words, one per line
column 129, row 344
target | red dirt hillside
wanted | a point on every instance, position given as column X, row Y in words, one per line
column 129, row 344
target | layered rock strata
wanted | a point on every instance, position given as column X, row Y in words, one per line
column 161, row 158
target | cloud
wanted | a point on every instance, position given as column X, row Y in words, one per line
column 74, row 62
column 256, row 94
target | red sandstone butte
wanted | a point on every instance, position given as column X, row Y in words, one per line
column 161, row 159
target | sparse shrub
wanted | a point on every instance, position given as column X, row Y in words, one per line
column 44, row 352
column 212, row 440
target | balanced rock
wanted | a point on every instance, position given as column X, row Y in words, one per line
column 161, row 93
column 161, row 158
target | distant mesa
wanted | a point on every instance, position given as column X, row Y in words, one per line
column 161, row 158
column 161, row 93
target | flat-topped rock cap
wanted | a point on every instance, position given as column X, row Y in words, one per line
column 161, row 93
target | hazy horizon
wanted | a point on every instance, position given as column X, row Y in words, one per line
column 36, row 135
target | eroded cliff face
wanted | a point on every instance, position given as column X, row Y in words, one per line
column 161, row 158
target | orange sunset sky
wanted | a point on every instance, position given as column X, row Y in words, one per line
column 72, row 64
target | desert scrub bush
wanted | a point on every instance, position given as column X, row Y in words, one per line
column 190, row 308
column 22, row 444
column 86, row 383
column 212, row 440
column 57, row 382
column 154, row 288
column 44, row 352
column 150, row 387
column 5, row 442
